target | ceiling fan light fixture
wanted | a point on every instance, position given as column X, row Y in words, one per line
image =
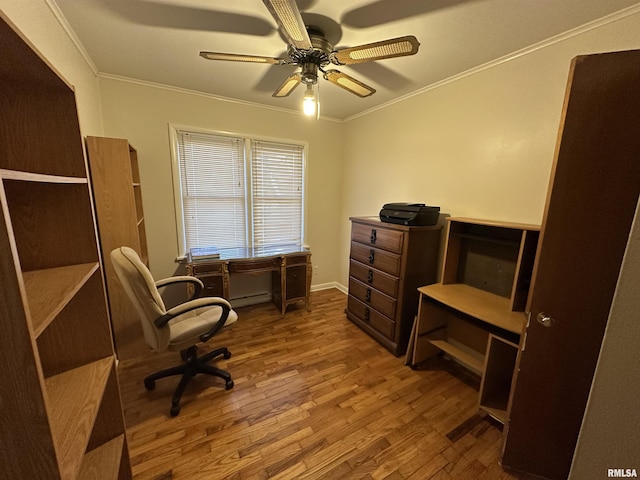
column 309, row 49
column 310, row 104
column 309, row 73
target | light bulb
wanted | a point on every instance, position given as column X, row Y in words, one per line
column 309, row 102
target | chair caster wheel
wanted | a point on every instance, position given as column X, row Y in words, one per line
column 174, row 411
column 228, row 385
column 149, row 384
column 227, row 355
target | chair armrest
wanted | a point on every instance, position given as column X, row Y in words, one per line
column 197, row 283
column 194, row 304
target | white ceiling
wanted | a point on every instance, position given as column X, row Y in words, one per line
column 158, row 41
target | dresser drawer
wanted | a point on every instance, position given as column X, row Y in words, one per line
column 390, row 240
column 376, row 258
column 368, row 315
column 375, row 278
column 373, row 298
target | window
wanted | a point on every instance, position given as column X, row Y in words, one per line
column 233, row 191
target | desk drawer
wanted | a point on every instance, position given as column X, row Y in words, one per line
column 255, row 265
column 206, row 267
column 376, row 258
column 375, row 278
column 213, row 285
column 296, row 282
column 369, row 316
column 379, row 301
column 383, row 238
column 295, row 260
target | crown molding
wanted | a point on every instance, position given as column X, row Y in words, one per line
column 62, row 20
column 161, row 86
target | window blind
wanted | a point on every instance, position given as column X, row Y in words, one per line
column 277, row 180
column 220, row 209
column 212, row 179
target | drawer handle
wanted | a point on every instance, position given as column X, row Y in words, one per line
column 367, row 314
column 372, row 256
column 370, row 276
column 367, row 297
column 373, row 236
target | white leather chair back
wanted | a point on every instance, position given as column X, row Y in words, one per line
column 141, row 289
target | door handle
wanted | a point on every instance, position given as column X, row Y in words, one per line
column 370, row 276
column 545, row 320
column 367, row 297
column 373, row 235
column 372, row 256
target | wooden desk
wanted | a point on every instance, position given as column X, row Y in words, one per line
column 290, row 266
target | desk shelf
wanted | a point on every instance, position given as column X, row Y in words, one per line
column 498, row 377
column 475, row 314
column 474, row 361
column 486, row 306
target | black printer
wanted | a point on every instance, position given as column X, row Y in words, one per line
column 409, row 214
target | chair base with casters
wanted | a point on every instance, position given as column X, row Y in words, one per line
column 190, row 368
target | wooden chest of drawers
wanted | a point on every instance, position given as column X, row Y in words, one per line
column 388, row 263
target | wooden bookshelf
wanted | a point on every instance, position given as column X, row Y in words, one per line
column 115, row 180
column 60, row 396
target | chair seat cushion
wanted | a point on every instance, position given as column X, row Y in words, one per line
column 186, row 333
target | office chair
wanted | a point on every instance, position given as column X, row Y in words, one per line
column 180, row 328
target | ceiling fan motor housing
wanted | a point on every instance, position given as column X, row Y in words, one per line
column 313, row 58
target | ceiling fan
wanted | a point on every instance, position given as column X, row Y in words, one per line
column 310, row 50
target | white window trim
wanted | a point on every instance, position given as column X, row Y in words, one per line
column 177, row 187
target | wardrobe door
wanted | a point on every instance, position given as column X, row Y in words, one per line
column 590, row 207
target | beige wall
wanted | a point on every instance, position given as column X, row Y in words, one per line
column 480, row 146
column 142, row 113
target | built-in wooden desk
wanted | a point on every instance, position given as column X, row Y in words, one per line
column 290, row 266
column 475, row 315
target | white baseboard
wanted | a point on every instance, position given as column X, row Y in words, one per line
column 264, row 297
column 327, row 286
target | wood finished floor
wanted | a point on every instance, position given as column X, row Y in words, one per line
column 314, row 398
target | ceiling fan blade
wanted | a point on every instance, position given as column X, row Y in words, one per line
column 288, row 86
column 287, row 16
column 234, row 57
column 394, row 47
column 348, row 83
